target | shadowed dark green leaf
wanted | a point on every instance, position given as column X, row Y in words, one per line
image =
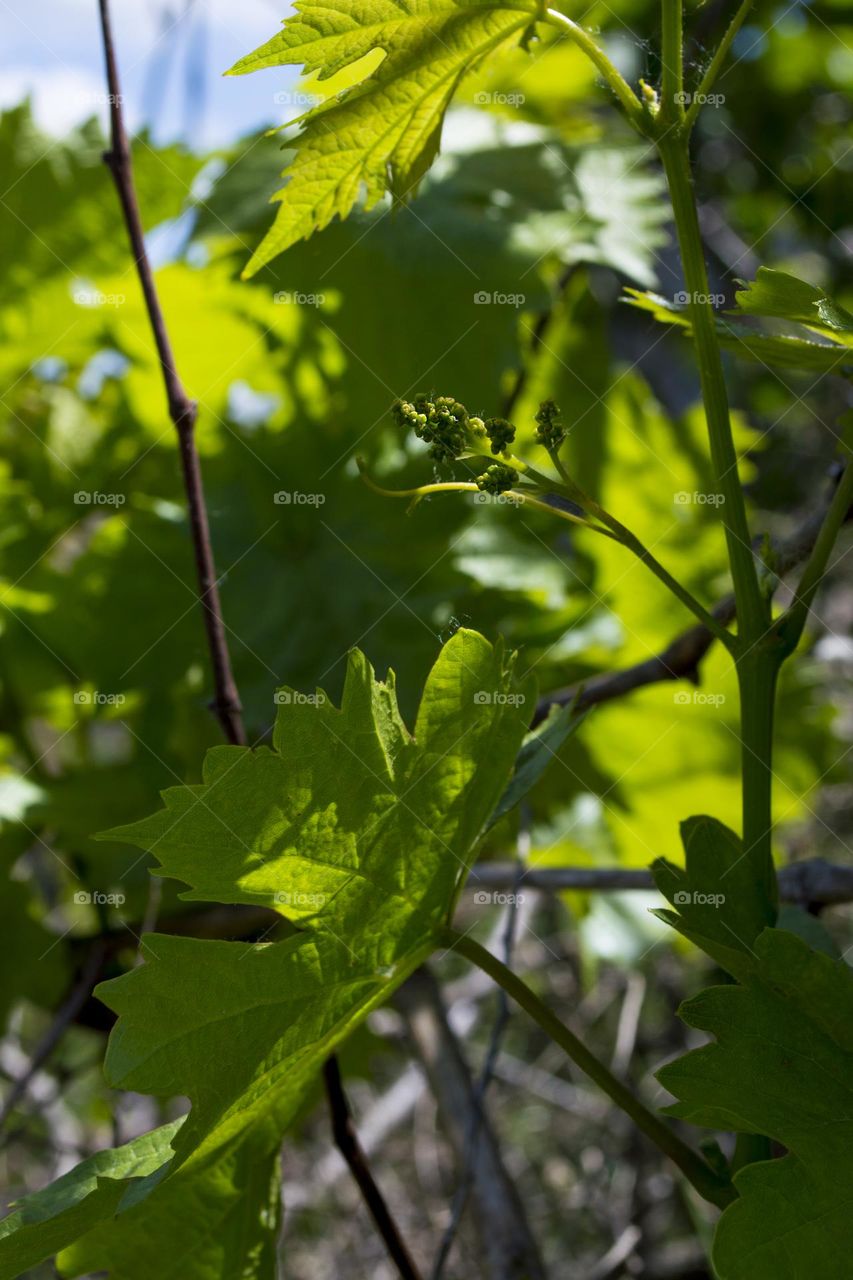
column 782, row 1065
column 720, row 904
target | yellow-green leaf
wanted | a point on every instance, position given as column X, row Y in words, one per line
column 383, row 134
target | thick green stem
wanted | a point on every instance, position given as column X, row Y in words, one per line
column 752, row 610
column 757, row 673
column 707, row 1182
column 672, row 63
column 757, row 653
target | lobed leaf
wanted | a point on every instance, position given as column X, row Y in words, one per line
column 350, row 824
column 361, row 833
column 721, row 905
column 819, row 345
column 782, row 1066
column 384, row 133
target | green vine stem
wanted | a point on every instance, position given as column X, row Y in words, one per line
column 758, row 648
column 757, row 674
column 609, row 527
column 757, row 651
column 752, row 609
column 672, row 63
column 517, row 496
column 630, row 540
column 628, row 100
column 710, row 1185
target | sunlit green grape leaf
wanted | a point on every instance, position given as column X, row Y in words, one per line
column 223, row 1220
column 784, row 297
column 384, row 133
column 329, row 812
column 352, row 827
column 502, row 203
column 782, row 1067
column 43, row 1223
column 803, row 350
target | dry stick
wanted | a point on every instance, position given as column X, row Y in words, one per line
column 508, row 1248
column 182, row 410
column 63, row 1018
column 351, row 1149
column 812, row 881
column 226, row 702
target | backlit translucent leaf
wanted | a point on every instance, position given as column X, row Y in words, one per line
column 359, row 831
column 349, row 821
column 820, row 335
column 383, row 134
column 783, row 297
column 45, row 1222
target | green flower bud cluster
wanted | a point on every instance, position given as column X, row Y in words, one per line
column 442, row 423
column 500, row 432
column 550, row 431
column 446, row 426
column 497, row 478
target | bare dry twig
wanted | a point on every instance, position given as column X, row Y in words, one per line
column 64, row 1016
column 508, row 1247
column 226, row 702
column 812, row 881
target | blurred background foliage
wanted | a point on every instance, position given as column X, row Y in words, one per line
column 541, row 199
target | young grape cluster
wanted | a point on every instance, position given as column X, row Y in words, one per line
column 445, row 425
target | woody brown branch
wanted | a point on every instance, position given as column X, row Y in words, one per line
column 183, row 412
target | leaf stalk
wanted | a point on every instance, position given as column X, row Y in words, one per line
column 710, row 1185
